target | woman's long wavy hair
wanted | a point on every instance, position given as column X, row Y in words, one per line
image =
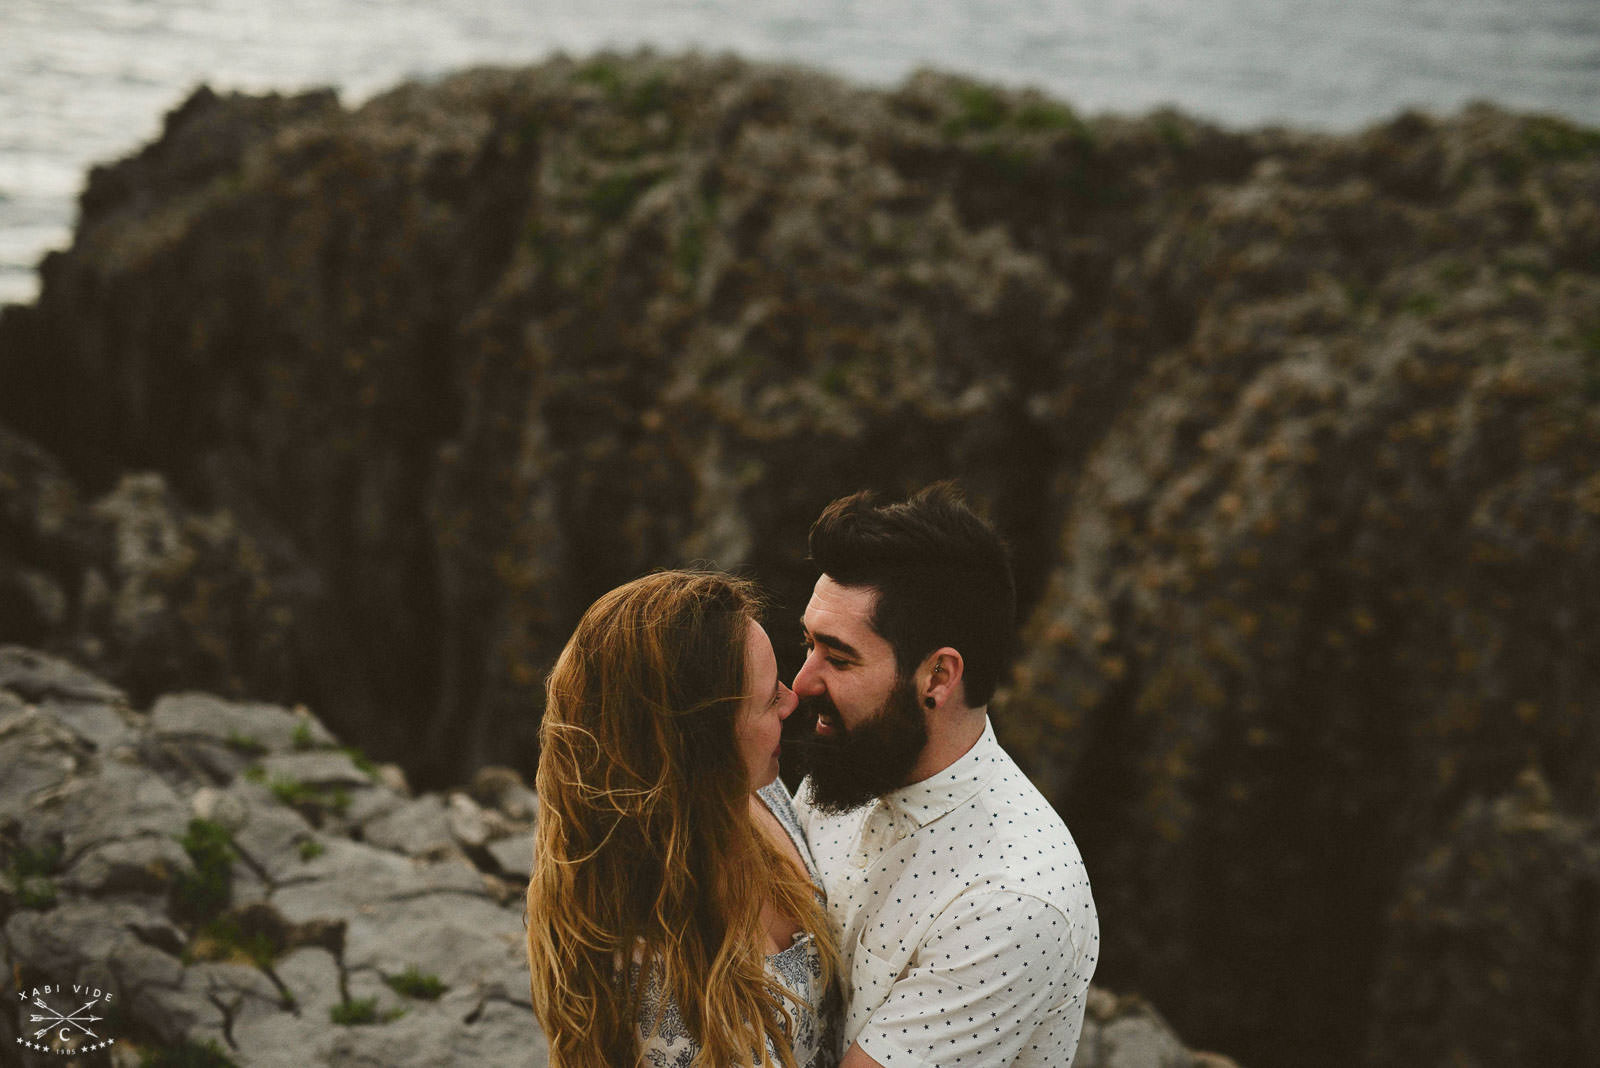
column 646, row 858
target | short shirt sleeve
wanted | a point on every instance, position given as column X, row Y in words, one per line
column 997, row 977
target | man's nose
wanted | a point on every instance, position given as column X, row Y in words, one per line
column 808, row 683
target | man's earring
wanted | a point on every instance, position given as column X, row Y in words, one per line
column 928, row 701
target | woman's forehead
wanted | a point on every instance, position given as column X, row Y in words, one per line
column 758, row 651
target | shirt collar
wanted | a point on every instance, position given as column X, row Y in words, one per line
column 939, row 794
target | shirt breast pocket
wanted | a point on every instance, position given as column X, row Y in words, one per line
column 871, row 977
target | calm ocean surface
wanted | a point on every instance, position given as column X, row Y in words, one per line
column 84, row 81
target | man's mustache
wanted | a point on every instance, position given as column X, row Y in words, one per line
column 802, row 722
column 802, row 745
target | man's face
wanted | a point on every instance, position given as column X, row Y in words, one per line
column 870, row 727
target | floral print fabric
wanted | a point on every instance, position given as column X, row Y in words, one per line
column 664, row 1041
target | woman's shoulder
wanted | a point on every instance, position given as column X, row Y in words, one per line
column 777, row 797
column 780, row 803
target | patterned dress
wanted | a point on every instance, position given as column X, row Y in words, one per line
column 798, row 968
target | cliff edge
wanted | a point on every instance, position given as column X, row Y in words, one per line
column 1294, row 438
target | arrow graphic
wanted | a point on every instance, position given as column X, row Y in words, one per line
column 55, row 1019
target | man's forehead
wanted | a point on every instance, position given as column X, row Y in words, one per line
column 845, row 611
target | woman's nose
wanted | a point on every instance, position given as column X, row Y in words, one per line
column 790, row 702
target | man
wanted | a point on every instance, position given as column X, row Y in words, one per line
column 967, row 933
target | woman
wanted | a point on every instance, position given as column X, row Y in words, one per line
column 673, row 917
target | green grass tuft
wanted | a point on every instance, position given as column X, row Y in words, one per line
column 613, row 196
column 292, row 791
column 364, row 763
column 412, row 983
column 29, row 869
column 187, row 1055
column 201, row 894
column 980, row 107
column 1549, row 138
column 355, row 1013
column 245, row 745
column 223, row 939
column 1040, row 115
column 359, row 1011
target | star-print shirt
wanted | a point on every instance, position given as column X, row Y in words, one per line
column 967, row 933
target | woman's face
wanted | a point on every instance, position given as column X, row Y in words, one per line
column 759, row 725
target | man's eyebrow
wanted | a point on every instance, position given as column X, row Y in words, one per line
column 833, row 643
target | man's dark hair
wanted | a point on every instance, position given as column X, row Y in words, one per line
column 942, row 574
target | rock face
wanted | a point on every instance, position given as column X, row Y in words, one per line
column 1294, row 437
column 247, row 892
column 486, row 349
column 1325, row 586
column 144, row 589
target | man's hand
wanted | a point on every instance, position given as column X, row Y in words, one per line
column 855, row 1058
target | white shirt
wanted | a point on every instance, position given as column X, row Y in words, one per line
column 967, row 933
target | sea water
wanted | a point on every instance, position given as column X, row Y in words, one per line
column 85, row 81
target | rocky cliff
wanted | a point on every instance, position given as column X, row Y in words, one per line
column 234, row 887
column 1293, row 435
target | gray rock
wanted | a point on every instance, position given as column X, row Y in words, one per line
column 419, row 828
column 119, row 802
column 242, row 991
column 326, row 769
column 514, row 854
column 367, row 985
column 271, row 834
column 103, row 725
column 502, row 789
column 145, row 865
column 192, row 761
column 466, row 942
column 313, row 976
column 205, row 1003
column 34, row 676
column 498, row 1034
column 274, row 728
column 37, row 753
column 176, row 1011
column 393, row 776
column 221, row 807
column 79, row 935
column 1140, row 1043
column 1126, row 1032
column 352, row 879
column 371, row 802
column 468, row 824
column 285, row 1039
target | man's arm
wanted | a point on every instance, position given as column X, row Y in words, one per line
column 854, row 1058
column 989, row 973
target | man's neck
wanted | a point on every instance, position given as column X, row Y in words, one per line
column 956, row 734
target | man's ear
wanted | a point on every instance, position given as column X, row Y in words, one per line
column 939, row 679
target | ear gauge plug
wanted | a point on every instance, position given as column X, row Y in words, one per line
column 928, row 701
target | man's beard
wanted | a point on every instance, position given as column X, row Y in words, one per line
column 850, row 768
